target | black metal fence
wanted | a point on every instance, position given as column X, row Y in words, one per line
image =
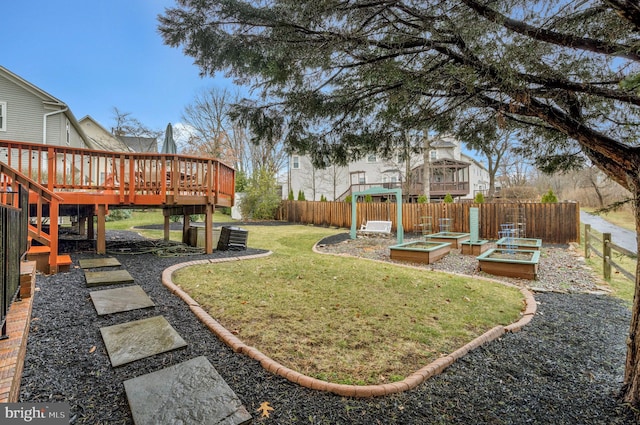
column 13, row 244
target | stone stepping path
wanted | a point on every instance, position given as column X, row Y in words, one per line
column 94, row 263
column 186, row 393
column 111, row 277
column 108, row 301
column 136, row 340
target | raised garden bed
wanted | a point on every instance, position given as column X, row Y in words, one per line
column 425, row 252
column 511, row 263
column 453, row 238
column 474, row 248
column 520, row 243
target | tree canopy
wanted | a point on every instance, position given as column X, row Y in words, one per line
column 349, row 77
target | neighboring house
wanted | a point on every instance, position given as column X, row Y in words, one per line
column 140, row 144
column 29, row 114
column 452, row 172
column 101, row 137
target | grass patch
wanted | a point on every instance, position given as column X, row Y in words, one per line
column 344, row 320
column 149, row 217
column 622, row 287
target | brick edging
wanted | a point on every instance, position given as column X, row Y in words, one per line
column 410, row 382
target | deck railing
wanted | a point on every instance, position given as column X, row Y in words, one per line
column 127, row 176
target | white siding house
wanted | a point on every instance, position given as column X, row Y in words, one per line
column 452, row 172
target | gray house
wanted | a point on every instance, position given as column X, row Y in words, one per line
column 29, row 114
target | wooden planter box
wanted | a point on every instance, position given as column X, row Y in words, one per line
column 449, row 237
column 474, row 248
column 420, row 251
column 510, row 263
column 520, row 243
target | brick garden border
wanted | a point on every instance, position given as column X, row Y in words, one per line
column 410, row 382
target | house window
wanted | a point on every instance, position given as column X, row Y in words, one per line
column 361, row 180
column 3, row 116
column 434, row 155
column 372, row 158
column 295, row 162
column 68, row 133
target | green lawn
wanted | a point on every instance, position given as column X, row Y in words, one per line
column 340, row 319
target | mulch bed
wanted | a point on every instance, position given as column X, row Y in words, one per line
column 564, row 368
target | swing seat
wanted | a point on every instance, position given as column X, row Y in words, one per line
column 376, row 227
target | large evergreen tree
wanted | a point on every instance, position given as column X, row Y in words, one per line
column 351, row 76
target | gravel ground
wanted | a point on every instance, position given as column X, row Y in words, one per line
column 563, row 368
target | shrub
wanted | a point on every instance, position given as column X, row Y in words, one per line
column 479, row 199
column 368, row 198
column 117, row 215
column 348, row 199
column 301, row 196
column 261, row 199
column 291, row 197
column 322, row 198
column 549, row 197
column 422, row 199
column 448, row 198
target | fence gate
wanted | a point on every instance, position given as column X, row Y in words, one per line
column 13, row 228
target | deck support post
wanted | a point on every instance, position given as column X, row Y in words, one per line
column 167, row 224
column 101, row 246
column 208, row 229
column 186, row 222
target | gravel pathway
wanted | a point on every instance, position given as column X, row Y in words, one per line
column 565, row 367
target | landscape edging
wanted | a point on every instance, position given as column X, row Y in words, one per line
column 434, row 368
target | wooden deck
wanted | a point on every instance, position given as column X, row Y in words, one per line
column 84, row 183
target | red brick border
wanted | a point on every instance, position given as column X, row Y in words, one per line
column 410, row 382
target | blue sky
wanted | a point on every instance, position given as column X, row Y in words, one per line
column 97, row 55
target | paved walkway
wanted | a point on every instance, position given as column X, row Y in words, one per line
column 619, row 236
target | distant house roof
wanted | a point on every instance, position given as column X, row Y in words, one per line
column 102, row 138
column 442, row 143
column 140, row 144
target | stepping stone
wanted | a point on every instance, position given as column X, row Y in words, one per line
column 111, row 277
column 187, row 393
column 136, row 340
column 116, row 300
column 94, row 263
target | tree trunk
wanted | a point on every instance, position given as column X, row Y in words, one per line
column 631, row 385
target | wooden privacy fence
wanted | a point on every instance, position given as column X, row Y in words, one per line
column 607, row 247
column 551, row 222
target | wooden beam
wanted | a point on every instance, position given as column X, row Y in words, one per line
column 101, row 246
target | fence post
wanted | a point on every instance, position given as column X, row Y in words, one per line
column 587, row 251
column 606, row 255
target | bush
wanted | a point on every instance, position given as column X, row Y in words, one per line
column 448, row 199
column 348, row 199
column 301, row 196
column 291, row 197
column 322, row 198
column 117, row 215
column 422, row 199
column 225, row 210
column 261, row 199
column 549, row 197
column 479, row 199
column 368, row 198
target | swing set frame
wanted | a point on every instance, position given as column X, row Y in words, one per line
column 377, row 191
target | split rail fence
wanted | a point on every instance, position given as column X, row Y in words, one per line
column 608, row 249
column 554, row 223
